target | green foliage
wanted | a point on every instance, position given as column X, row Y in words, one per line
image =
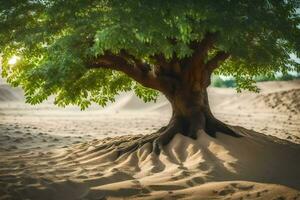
column 145, row 93
column 55, row 38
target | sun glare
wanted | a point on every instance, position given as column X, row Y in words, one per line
column 13, row 60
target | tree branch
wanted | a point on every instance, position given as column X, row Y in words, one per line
column 214, row 63
column 201, row 49
column 119, row 63
column 136, row 62
column 194, row 70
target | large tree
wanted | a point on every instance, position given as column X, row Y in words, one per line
column 86, row 51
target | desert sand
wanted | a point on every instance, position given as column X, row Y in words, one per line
column 67, row 154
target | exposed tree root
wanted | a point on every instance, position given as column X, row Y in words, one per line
column 164, row 135
column 214, row 125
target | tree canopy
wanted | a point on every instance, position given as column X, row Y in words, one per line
column 59, row 43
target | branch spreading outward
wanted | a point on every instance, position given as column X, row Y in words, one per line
column 201, row 49
column 136, row 69
column 201, row 52
column 214, row 63
column 164, row 77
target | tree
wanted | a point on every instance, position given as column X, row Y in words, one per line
column 87, row 51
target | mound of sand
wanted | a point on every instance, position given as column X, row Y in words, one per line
column 285, row 101
column 130, row 102
column 8, row 94
column 279, row 97
column 229, row 190
column 54, row 154
column 277, row 86
column 186, row 168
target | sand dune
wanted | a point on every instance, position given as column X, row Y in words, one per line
column 229, row 190
column 185, row 167
column 129, row 101
column 273, row 111
column 55, row 154
column 284, row 101
column 10, row 94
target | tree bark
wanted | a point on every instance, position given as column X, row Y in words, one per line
column 189, row 108
column 190, row 113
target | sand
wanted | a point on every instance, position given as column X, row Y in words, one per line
column 53, row 153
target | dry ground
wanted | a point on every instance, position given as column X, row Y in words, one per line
column 51, row 153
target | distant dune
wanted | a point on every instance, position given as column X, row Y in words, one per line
column 274, row 96
column 10, row 94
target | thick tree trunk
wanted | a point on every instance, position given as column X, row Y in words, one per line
column 189, row 109
column 191, row 113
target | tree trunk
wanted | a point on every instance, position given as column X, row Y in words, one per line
column 190, row 113
column 189, row 110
